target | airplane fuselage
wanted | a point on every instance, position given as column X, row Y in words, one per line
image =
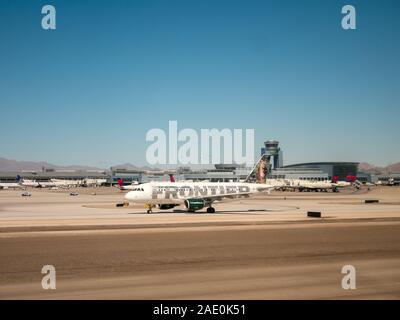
column 9, row 185
column 177, row 192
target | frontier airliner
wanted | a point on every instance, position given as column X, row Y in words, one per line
column 193, row 195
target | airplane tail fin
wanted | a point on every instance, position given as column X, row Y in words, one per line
column 120, row 183
column 259, row 172
column 171, row 178
column 18, row 178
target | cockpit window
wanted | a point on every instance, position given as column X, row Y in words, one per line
column 138, row 189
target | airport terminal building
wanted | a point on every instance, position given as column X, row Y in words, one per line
column 330, row 169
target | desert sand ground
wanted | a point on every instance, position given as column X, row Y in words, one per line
column 260, row 248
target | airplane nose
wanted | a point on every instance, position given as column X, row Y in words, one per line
column 127, row 196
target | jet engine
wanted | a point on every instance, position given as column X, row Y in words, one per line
column 167, row 206
column 193, row 205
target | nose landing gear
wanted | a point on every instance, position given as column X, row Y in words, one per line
column 149, row 207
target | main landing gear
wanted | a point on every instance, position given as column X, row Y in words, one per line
column 149, row 207
column 210, row 210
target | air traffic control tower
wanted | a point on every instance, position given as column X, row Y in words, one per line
column 271, row 158
column 273, row 153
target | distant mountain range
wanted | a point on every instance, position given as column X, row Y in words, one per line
column 130, row 166
column 19, row 166
column 366, row 167
column 14, row 165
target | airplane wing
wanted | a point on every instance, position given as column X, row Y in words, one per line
column 232, row 196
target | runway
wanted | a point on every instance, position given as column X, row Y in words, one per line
column 273, row 254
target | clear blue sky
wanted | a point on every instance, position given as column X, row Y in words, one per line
column 88, row 92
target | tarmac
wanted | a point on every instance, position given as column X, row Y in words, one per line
column 260, row 248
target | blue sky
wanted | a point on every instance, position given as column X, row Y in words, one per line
column 87, row 92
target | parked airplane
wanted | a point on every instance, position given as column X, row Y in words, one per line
column 29, row 183
column 308, row 185
column 341, row 184
column 66, row 183
column 36, row 184
column 10, row 185
column 193, row 195
column 94, row 182
column 47, row 184
column 132, row 186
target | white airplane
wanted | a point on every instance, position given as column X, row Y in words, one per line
column 23, row 183
column 193, row 195
column 307, row 185
column 132, row 186
column 66, row 183
column 10, row 185
column 341, row 184
column 94, row 182
column 29, row 183
column 47, row 184
column 312, row 185
column 36, row 184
